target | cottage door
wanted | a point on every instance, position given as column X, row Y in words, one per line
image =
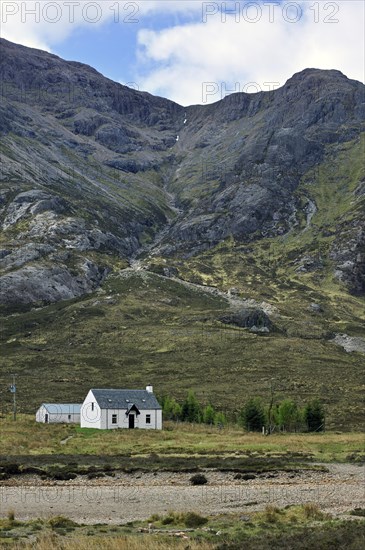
column 46, row 418
column 131, row 421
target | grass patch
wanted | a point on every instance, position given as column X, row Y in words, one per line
column 359, row 512
column 176, row 444
column 276, row 528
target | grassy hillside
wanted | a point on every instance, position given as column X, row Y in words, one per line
column 143, row 328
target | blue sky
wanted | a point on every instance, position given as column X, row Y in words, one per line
column 191, row 51
column 112, row 48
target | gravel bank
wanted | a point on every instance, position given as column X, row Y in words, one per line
column 128, row 497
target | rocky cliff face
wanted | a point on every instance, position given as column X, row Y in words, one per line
column 94, row 173
column 257, row 149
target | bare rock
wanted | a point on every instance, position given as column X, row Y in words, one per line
column 253, row 318
column 350, row 343
column 25, row 254
column 31, row 284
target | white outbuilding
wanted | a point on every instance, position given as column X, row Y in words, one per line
column 63, row 413
column 107, row 409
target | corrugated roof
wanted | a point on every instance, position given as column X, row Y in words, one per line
column 62, row 408
column 122, row 399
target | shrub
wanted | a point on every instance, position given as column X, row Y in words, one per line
column 10, row 468
column 220, row 419
column 58, row 522
column 271, row 514
column 10, row 515
column 95, row 475
column 63, row 476
column 209, row 415
column 246, row 477
column 33, row 470
column 252, row 416
column 314, row 416
column 62, row 473
column 154, row 517
column 358, row 512
column 198, row 479
column 312, row 511
column 170, row 408
column 344, row 535
column 191, row 410
column 168, row 520
column 192, row 519
column 288, row 416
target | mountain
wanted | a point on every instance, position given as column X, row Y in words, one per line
column 83, row 169
column 244, row 215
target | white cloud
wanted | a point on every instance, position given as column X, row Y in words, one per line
column 45, row 24
column 41, row 24
column 176, row 61
column 184, row 57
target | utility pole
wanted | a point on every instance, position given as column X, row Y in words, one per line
column 271, row 404
column 13, row 391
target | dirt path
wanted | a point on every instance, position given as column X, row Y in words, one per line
column 129, row 497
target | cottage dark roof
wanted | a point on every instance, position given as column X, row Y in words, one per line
column 123, row 399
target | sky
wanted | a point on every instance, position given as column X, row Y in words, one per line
column 195, row 51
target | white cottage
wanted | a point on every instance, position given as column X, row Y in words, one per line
column 67, row 413
column 108, row 409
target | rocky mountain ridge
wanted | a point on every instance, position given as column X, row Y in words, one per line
column 95, row 174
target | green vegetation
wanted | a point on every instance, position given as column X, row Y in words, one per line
column 35, row 444
column 299, row 527
column 286, row 415
column 253, row 416
column 191, row 411
column 314, row 416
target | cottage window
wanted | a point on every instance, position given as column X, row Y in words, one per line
column 148, row 419
column 69, row 417
column 114, row 418
column 92, row 406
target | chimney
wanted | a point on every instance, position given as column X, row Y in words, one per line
column 149, row 389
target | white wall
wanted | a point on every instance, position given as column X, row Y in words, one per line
column 122, row 419
column 40, row 414
column 91, row 416
column 54, row 416
column 139, row 419
column 159, row 420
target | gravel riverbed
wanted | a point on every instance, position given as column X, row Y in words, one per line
column 128, row 497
